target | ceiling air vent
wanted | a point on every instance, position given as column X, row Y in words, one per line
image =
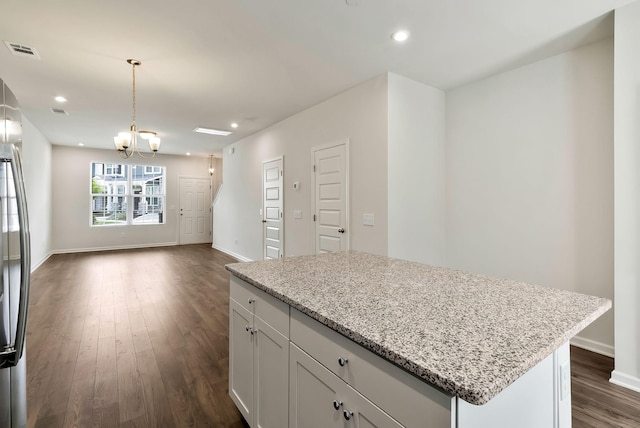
column 58, row 111
column 22, row 50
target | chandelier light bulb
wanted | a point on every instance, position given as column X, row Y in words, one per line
column 154, row 143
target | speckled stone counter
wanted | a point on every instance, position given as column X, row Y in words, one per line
column 470, row 335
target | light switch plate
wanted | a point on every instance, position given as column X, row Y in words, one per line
column 368, row 220
column 297, row 213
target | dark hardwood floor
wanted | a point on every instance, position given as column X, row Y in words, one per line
column 139, row 338
column 130, row 338
column 596, row 402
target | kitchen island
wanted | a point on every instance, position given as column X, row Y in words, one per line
column 354, row 337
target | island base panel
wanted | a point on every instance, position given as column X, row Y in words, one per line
column 535, row 400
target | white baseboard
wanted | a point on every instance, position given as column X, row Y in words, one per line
column 629, row 382
column 231, row 253
column 593, row 346
column 36, row 265
column 117, row 247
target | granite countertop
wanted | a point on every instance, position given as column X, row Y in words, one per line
column 468, row 334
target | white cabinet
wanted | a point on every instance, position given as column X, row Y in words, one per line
column 320, row 399
column 241, row 358
column 258, row 356
column 289, row 370
column 410, row 401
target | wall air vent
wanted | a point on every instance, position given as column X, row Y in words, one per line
column 58, row 111
column 22, row 50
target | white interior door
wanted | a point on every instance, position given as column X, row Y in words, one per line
column 272, row 209
column 195, row 225
column 331, row 198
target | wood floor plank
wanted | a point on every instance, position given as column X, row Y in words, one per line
column 56, row 397
column 130, row 395
column 158, row 412
column 139, row 338
column 107, row 416
column 105, row 391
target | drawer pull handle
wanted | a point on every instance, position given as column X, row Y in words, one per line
column 342, row 361
column 347, row 414
column 337, row 404
column 247, row 328
column 251, row 301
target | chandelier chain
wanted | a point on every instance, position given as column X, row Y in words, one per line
column 133, row 97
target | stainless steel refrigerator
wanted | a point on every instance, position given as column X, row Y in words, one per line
column 16, row 266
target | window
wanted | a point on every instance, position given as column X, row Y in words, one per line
column 112, row 169
column 127, row 194
column 152, row 169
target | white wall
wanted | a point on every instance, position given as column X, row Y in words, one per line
column 416, row 169
column 216, row 179
column 36, row 160
column 359, row 115
column 71, row 201
column 530, row 177
column 627, row 196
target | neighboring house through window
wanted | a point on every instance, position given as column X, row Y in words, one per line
column 127, row 194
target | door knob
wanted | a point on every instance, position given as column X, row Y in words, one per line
column 341, row 230
column 264, row 221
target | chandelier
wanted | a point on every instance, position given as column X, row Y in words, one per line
column 127, row 142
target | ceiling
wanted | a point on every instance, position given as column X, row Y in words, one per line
column 257, row 62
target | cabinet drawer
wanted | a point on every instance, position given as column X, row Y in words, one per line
column 271, row 310
column 406, row 398
column 319, row 398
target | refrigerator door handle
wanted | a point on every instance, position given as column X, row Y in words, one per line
column 25, row 254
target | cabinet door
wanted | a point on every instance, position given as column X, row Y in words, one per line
column 241, row 358
column 368, row 415
column 271, row 376
column 312, row 392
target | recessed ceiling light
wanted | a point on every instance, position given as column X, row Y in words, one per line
column 188, row 154
column 61, row 99
column 81, row 144
column 234, row 125
column 211, row 131
column 400, row 35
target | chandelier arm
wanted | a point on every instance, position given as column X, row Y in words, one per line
column 126, row 153
column 146, row 157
